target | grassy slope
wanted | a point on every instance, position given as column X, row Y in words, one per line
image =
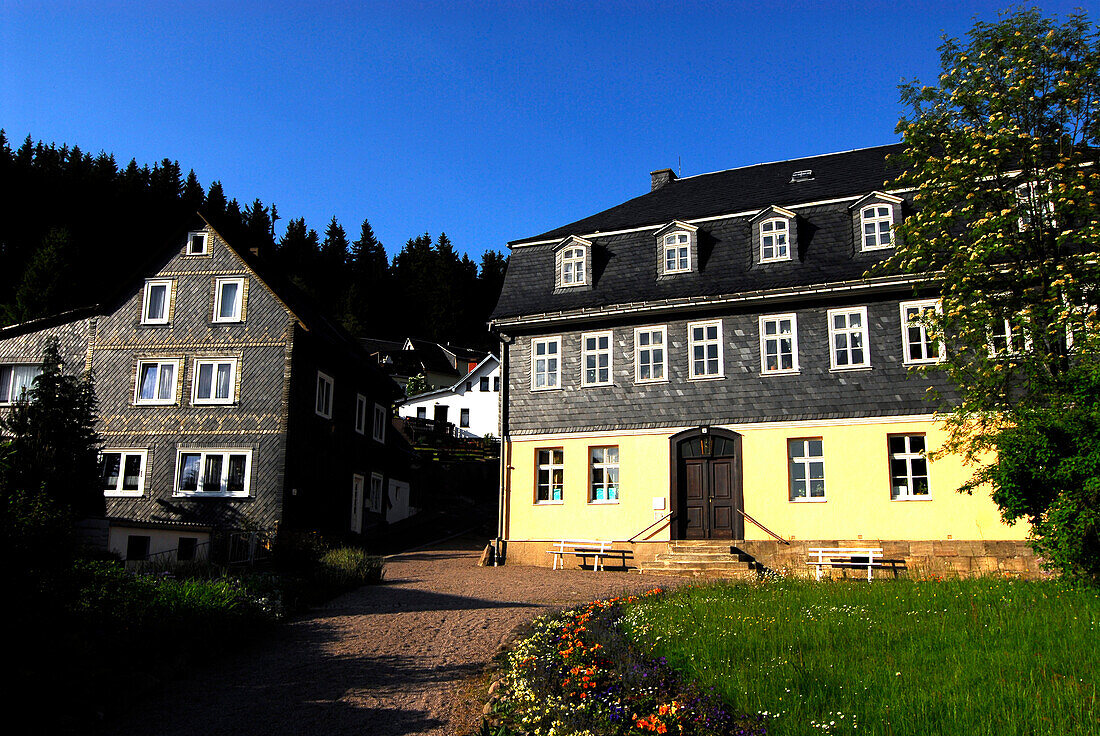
column 895, row 657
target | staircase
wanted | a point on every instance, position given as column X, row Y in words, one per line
column 711, row 558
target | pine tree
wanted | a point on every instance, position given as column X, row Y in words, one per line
column 370, row 286
column 43, row 289
column 192, row 192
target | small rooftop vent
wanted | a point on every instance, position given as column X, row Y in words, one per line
column 803, row 175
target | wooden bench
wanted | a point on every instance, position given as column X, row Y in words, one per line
column 845, row 557
column 596, row 548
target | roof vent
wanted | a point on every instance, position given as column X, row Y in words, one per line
column 803, row 175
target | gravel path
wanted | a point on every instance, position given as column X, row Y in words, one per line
column 405, row 657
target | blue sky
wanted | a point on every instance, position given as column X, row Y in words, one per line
column 490, row 121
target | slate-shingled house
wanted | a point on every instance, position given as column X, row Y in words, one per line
column 226, row 402
column 709, row 361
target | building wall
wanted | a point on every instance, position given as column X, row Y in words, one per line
column 72, row 340
column 484, row 406
column 857, row 482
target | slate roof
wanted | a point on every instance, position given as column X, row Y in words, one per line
column 624, row 266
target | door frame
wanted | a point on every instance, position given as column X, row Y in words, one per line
column 674, row 469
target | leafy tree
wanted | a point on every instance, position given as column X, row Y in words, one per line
column 417, row 384
column 1002, row 158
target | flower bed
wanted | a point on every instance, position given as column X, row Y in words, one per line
column 577, row 674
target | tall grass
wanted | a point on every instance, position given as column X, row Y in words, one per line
column 970, row 657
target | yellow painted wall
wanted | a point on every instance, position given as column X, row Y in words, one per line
column 857, row 488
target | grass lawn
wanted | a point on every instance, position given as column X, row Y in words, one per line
column 894, row 657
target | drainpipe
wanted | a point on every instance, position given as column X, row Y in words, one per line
column 505, row 454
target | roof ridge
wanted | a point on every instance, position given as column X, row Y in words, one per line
column 785, row 161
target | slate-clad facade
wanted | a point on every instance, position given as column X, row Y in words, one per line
column 206, row 372
column 784, row 379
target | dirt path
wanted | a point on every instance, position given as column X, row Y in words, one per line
column 387, row 660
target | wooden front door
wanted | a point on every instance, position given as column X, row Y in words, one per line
column 708, row 493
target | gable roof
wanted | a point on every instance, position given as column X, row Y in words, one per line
column 487, row 360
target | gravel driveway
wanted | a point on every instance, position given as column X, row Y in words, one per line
column 405, row 657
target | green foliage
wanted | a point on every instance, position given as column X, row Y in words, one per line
column 983, row 657
column 417, row 384
column 351, row 567
column 1002, row 159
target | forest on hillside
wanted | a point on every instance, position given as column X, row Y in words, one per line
column 73, row 226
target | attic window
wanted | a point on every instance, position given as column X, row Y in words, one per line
column 677, row 252
column 572, row 266
column 197, row 244
column 803, row 175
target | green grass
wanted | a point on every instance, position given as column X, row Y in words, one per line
column 900, row 657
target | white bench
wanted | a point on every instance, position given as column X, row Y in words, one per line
column 582, row 548
column 845, row 557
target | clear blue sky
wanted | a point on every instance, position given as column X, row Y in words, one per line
column 490, row 121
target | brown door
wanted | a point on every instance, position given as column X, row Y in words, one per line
column 709, row 488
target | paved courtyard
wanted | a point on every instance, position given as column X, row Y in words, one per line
column 405, row 657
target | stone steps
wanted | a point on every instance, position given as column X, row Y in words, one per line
column 705, row 558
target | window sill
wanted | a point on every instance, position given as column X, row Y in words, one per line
column 706, row 378
column 766, row 261
column 123, row 494
column 379, row 440
column 167, row 323
column 910, row 499
column 850, row 369
column 201, row 402
column 196, row 494
column 866, row 249
column 597, row 385
column 919, row 363
column 789, row 372
column 323, row 416
column 808, row 500
column 647, row 381
column 612, row 502
column 546, row 388
column 226, row 322
column 155, row 403
column 549, row 503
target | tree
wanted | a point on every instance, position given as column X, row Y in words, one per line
column 417, row 384
column 370, row 285
column 1002, row 158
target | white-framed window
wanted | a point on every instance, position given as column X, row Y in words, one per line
column 1034, row 200
column 156, row 302
column 650, row 354
column 357, row 483
column 376, row 493
column 908, row 467
column 877, row 225
column 848, row 338
column 775, row 240
column 778, row 344
column 705, row 349
column 323, row 404
column 156, row 381
column 806, row 463
column 677, row 252
column 213, row 472
column 464, row 417
column 360, row 413
column 16, row 380
column 381, row 418
column 122, row 471
column 572, row 266
column 545, row 363
column 1008, row 338
column 604, row 475
column 549, row 475
column 198, row 243
column 596, row 359
column 215, row 381
column 228, row 299
column 917, row 345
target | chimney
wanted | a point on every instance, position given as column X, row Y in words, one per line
column 660, row 177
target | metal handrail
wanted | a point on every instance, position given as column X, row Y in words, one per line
column 766, row 529
column 664, row 518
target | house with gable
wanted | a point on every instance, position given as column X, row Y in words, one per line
column 708, row 368
column 227, row 402
column 471, row 404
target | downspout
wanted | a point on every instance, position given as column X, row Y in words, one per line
column 505, row 455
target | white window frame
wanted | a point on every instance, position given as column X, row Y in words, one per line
column 926, row 342
column 358, row 488
column 596, row 353
column 204, row 236
column 238, row 310
column 360, row 413
column 765, row 339
column 781, row 251
column 870, row 215
column 215, row 362
column 679, row 249
column 464, row 417
column 807, row 462
column 9, row 396
column 204, row 453
column 548, row 385
column 1014, row 338
column 1027, row 194
column 160, row 363
column 167, row 316
column 377, row 489
column 554, row 461
column 123, row 453
column 848, row 332
column 662, row 330
column 378, row 428
column 908, row 494
column 705, row 343
column 573, row 259
column 323, row 400
column 605, row 466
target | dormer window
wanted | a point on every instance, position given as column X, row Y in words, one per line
column 677, row 252
column 198, row 243
column 572, row 266
column 774, row 240
column 877, row 222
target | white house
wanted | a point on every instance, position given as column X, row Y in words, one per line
column 472, row 404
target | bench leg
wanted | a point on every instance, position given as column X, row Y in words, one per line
column 869, row 568
column 817, row 574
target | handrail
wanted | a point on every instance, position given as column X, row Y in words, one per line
column 766, row 529
column 664, row 518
